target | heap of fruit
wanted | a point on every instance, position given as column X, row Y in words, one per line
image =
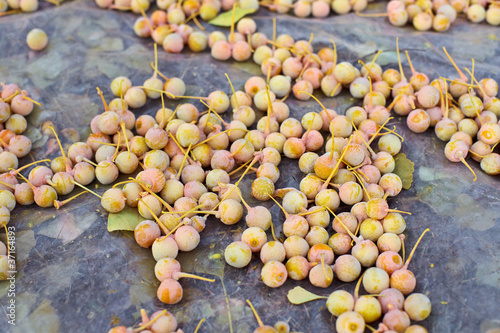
column 439, row 15
column 183, row 160
column 8, row 7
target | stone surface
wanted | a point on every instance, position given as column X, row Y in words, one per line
column 74, row 276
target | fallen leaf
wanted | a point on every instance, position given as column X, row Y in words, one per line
column 225, row 19
column 299, row 295
column 404, row 169
column 127, row 219
column 66, row 226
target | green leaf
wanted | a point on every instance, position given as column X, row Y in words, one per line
column 404, row 169
column 224, row 19
column 299, row 295
column 127, row 219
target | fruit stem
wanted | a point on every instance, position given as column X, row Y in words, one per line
column 199, row 324
column 334, row 53
column 371, row 328
column 239, row 168
column 361, row 173
column 59, row 204
column 80, row 185
column 183, row 161
column 192, row 276
column 176, row 227
column 255, row 314
column 10, row 12
column 356, row 290
column 362, row 139
column 335, row 169
column 218, row 117
column 156, row 61
column 32, row 163
column 244, row 202
column 283, row 209
column 414, row 248
column 122, row 124
column 309, row 43
column 474, row 80
column 143, row 327
column 270, row 112
column 11, row 96
column 232, row 88
column 375, row 77
column 310, row 126
column 160, row 73
column 104, row 143
column 144, row 317
column 349, row 232
column 32, row 100
column 126, row 182
column 327, row 278
column 334, row 90
column 148, row 22
column 160, row 223
column 462, row 75
column 413, row 72
column 272, row 231
column 146, row 187
column 402, row 238
column 8, row 185
column 195, row 20
column 317, row 100
column 403, row 77
column 26, row 180
column 210, row 138
column 312, row 212
column 398, row 211
column 121, row 95
column 378, row 131
column 375, row 58
column 84, row 159
column 239, row 149
column 468, row 166
column 180, row 147
column 492, row 148
column 255, row 159
column 4, row 144
column 103, row 100
column 371, row 15
column 444, row 107
column 478, row 155
column 361, row 181
column 117, row 146
column 231, row 35
column 66, row 162
column 274, row 32
column 188, row 212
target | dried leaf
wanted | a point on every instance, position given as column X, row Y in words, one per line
column 66, row 226
column 299, row 295
column 404, row 169
column 127, row 219
column 224, row 19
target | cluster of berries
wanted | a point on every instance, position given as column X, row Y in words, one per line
column 8, row 7
column 439, row 15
